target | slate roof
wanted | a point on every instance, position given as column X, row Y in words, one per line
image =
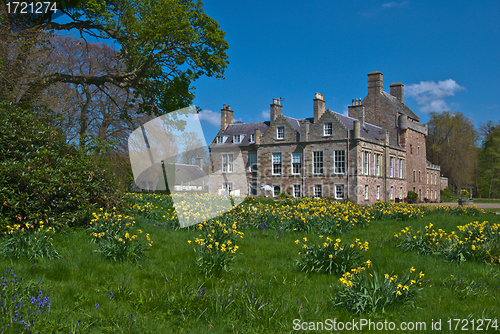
column 401, row 107
column 368, row 131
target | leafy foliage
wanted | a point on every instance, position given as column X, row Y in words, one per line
column 364, row 290
column 44, row 178
column 412, row 196
column 329, row 257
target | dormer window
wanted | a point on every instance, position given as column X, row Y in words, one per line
column 219, row 140
column 252, row 138
column 327, row 129
column 237, row 139
column 280, row 134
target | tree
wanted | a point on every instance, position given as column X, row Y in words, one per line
column 451, row 144
column 164, row 46
column 489, row 155
column 192, row 147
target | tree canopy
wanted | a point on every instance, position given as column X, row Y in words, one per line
column 163, row 46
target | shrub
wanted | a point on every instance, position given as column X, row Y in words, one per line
column 412, row 197
column 329, row 257
column 44, row 178
column 363, row 290
column 445, row 193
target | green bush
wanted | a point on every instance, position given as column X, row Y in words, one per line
column 412, row 197
column 44, row 178
column 445, row 193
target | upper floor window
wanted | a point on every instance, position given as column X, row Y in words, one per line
column 418, row 150
column 252, row 138
column 296, row 162
column 280, row 132
column 391, row 167
column 318, row 162
column 219, row 140
column 378, row 167
column 401, row 168
column 339, row 162
column 252, row 161
column 276, row 163
column 366, row 162
column 237, row 139
column 327, row 129
column 227, row 163
column 366, row 192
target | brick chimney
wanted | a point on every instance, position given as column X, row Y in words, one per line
column 319, row 107
column 199, row 161
column 276, row 109
column 398, row 91
column 375, row 82
column 226, row 117
column 357, row 111
column 257, row 137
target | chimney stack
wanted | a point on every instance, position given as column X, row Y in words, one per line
column 319, row 107
column 304, row 130
column 357, row 111
column 226, row 117
column 257, row 137
column 276, row 109
column 357, row 130
column 375, row 82
column 397, row 90
column 199, row 161
column 384, row 136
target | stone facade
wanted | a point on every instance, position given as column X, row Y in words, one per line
column 376, row 153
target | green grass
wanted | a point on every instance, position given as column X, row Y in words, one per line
column 263, row 293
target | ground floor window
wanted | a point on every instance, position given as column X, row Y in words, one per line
column 339, row 191
column 318, row 191
column 366, row 192
column 391, row 193
column 277, row 190
column 401, row 193
column 378, row 192
column 253, row 189
column 228, row 186
column 296, row 190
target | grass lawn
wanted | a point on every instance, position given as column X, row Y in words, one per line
column 263, row 292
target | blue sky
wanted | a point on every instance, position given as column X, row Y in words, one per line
column 446, row 53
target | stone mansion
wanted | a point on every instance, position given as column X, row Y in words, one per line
column 376, row 153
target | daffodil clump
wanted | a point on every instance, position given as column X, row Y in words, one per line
column 117, row 237
column 363, row 290
column 328, row 255
column 33, row 241
column 215, row 246
column 474, row 241
column 460, row 210
column 398, row 211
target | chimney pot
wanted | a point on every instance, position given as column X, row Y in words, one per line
column 319, row 107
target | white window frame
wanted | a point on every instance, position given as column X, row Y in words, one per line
column 400, row 193
column 378, row 159
column 252, row 138
column 339, row 188
column 339, row 162
column 280, row 132
column 328, row 129
column 252, row 162
column 391, row 193
column 318, row 190
column 401, row 174
column 227, row 163
column 391, row 167
column 227, row 186
column 318, row 163
column 367, row 197
column 237, row 138
column 296, row 163
column 277, row 165
column 378, row 193
column 219, row 140
column 366, row 162
column 296, row 190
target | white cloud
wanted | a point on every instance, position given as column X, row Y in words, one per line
column 265, row 114
column 395, row 4
column 430, row 95
column 210, row 116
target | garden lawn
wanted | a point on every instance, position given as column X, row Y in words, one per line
column 263, row 292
